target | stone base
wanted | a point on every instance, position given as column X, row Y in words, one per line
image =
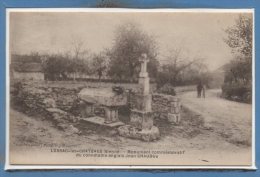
column 174, row 118
column 141, row 119
column 101, row 121
column 135, row 133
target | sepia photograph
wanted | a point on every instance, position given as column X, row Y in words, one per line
column 120, row 87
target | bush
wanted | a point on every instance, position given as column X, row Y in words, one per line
column 167, row 89
column 237, row 92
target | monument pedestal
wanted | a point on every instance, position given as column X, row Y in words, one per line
column 141, row 118
column 141, row 121
column 111, row 115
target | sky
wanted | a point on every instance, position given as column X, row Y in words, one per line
column 196, row 34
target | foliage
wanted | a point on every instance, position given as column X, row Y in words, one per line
column 237, row 92
column 99, row 65
column 167, row 89
column 238, row 73
column 240, row 36
column 57, row 67
column 240, row 41
column 129, row 44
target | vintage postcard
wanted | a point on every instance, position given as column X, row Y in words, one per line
column 127, row 88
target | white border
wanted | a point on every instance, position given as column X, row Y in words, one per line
column 8, row 166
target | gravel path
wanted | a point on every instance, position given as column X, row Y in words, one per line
column 231, row 120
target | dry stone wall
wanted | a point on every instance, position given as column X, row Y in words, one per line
column 61, row 104
column 52, row 104
column 163, row 106
column 166, row 107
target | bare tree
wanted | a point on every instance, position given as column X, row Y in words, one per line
column 78, row 53
column 175, row 65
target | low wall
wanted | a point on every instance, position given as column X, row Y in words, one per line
column 166, row 107
column 60, row 103
column 52, row 104
column 83, row 84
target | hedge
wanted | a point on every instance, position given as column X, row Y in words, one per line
column 237, row 92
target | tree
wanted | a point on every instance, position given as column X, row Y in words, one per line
column 56, row 67
column 99, row 64
column 129, row 44
column 238, row 72
column 239, row 39
column 240, row 36
column 177, row 67
column 78, row 54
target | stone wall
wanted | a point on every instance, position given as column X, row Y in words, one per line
column 53, row 104
column 43, row 96
column 163, row 106
column 166, row 107
column 61, row 104
column 88, row 84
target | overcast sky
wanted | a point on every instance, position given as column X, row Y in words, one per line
column 198, row 34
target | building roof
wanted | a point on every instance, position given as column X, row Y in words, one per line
column 26, row 58
column 27, row 67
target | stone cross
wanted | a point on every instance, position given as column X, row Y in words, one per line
column 143, row 76
column 141, row 116
column 144, row 60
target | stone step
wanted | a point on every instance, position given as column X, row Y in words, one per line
column 101, row 121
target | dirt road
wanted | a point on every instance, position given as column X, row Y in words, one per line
column 231, row 120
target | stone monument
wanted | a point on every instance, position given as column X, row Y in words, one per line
column 105, row 98
column 141, row 118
